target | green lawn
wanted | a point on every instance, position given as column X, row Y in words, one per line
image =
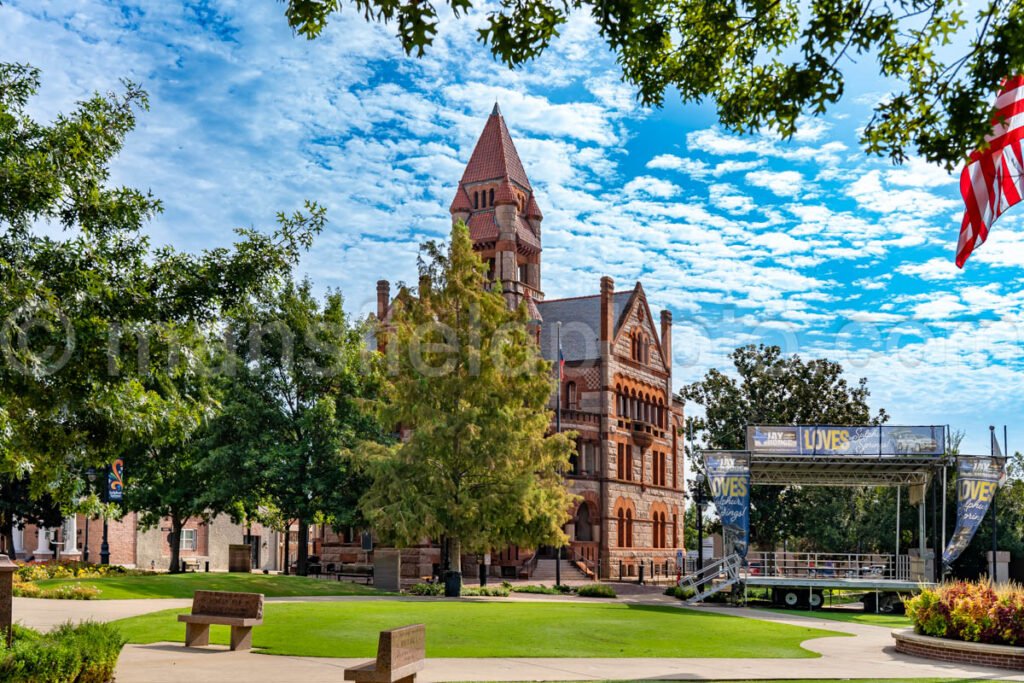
column 184, row 585
column 500, row 629
column 855, row 616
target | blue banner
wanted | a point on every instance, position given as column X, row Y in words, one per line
column 976, row 483
column 729, row 479
column 115, row 481
column 846, row 440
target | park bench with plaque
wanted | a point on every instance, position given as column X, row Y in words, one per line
column 240, row 611
column 401, row 653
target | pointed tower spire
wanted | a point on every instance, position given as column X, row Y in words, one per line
column 493, row 199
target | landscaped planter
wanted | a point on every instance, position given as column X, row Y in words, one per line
column 946, row 650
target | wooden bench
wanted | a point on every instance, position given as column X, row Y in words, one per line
column 240, row 611
column 401, row 653
column 189, row 563
column 355, row 571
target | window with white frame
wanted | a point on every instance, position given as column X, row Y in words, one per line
column 188, row 539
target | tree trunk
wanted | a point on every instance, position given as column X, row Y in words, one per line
column 455, row 555
column 177, row 524
column 288, row 547
column 302, row 568
column 8, row 536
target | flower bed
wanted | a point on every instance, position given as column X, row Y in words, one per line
column 971, row 612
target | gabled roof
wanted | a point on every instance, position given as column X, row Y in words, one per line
column 581, row 325
column 495, row 156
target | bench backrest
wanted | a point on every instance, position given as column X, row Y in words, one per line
column 225, row 604
column 400, row 647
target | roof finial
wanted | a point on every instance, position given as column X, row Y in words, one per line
column 496, row 111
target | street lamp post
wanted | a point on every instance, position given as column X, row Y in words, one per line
column 105, row 546
column 91, row 476
column 699, row 500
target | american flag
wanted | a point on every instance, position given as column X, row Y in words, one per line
column 993, row 180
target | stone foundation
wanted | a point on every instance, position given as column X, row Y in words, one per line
column 982, row 654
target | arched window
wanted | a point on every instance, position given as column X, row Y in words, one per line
column 654, row 530
column 664, row 536
column 622, row 528
column 629, row 528
column 584, row 531
column 490, row 199
column 675, row 530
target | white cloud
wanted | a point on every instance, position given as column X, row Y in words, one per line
column 728, row 198
column 780, row 183
column 932, row 270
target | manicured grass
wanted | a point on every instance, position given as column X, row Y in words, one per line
column 184, row 585
column 501, row 629
column 854, row 616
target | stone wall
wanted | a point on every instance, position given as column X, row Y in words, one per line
column 942, row 649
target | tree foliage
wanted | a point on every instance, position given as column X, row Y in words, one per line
column 774, row 388
column 92, row 320
column 765, row 63
column 296, row 404
column 470, row 388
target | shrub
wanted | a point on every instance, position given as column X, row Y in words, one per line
column 484, row 591
column 596, row 590
column 426, row 589
column 83, row 653
column 38, row 571
column 973, row 612
column 679, row 592
column 539, row 590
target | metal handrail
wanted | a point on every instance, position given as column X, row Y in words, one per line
column 728, row 565
column 575, row 556
column 828, row 565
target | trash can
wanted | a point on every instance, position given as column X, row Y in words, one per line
column 452, row 584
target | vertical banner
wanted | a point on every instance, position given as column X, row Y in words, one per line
column 115, row 481
column 729, row 479
column 976, row 483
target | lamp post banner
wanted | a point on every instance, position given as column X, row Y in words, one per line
column 976, row 483
column 115, row 481
column 729, row 479
column 861, row 441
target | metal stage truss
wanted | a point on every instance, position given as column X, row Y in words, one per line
column 773, row 469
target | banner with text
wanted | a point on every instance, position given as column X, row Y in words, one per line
column 853, row 441
column 729, row 479
column 115, row 481
column 976, row 482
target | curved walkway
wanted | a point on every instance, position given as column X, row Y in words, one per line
column 869, row 654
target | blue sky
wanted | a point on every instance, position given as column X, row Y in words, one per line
column 809, row 243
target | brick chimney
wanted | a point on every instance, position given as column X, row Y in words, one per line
column 383, row 298
column 607, row 309
column 666, row 337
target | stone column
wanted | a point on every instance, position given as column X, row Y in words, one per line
column 71, row 538
column 19, row 541
column 42, row 544
column 7, row 569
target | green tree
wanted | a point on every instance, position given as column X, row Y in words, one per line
column 19, row 507
column 765, row 62
column 90, row 321
column 478, row 466
column 774, row 388
column 295, row 406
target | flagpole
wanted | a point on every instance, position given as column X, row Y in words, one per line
column 558, row 415
column 995, row 494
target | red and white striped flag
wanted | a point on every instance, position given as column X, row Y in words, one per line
column 993, row 180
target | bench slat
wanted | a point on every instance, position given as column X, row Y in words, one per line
column 218, row 620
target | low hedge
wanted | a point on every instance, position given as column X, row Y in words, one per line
column 83, row 653
column 596, row 590
column 970, row 611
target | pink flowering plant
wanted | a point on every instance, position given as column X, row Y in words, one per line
column 971, row 611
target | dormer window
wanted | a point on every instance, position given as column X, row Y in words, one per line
column 490, row 201
column 476, row 200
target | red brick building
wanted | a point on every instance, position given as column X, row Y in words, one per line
column 617, row 386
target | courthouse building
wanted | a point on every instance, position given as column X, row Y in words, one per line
column 616, row 394
column 617, row 386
